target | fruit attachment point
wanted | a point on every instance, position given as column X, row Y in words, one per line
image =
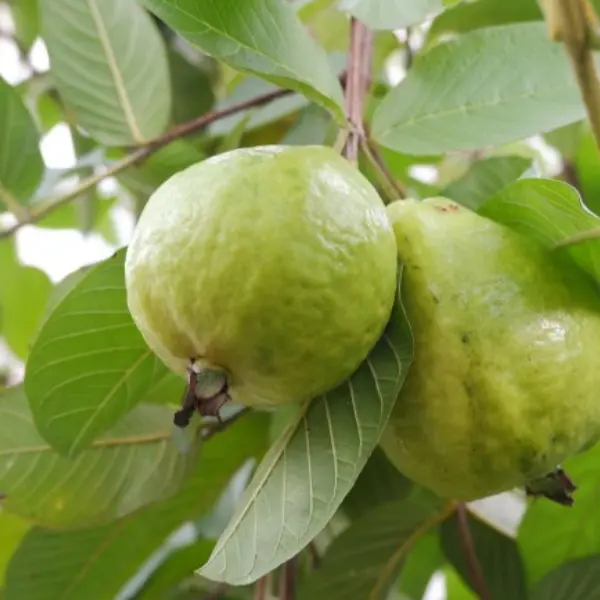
column 556, row 486
column 206, row 393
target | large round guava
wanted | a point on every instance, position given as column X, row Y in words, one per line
column 274, row 264
column 505, row 382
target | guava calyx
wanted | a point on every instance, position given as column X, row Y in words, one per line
column 556, row 486
column 206, row 393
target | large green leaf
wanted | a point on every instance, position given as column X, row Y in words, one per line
column 89, row 365
column 110, row 65
column 23, row 294
column 550, row 535
column 423, row 560
column 12, row 529
column 21, row 165
column 134, row 464
column 313, row 465
column 444, row 104
column 466, row 16
column 176, row 567
column 247, row 89
column 96, row 562
column 391, row 14
column 378, row 483
column 575, row 580
column 484, row 179
column 364, row 561
column 26, row 19
column 191, row 87
column 586, row 162
column 497, row 554
column 551, row 212
column 263, row 37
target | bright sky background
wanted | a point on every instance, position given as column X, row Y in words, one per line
column 59, row 252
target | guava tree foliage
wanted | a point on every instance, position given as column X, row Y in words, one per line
column 495, row 105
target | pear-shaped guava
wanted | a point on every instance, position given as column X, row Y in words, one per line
column 505, row 379
column 274, row 264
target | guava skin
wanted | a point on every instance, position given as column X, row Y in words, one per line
column 505, row 380
column 277, row 264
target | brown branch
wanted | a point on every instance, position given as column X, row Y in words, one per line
column 315, row 557
column 359, row 77
column 177, row 132
column 475, row 572
column 393, row 189
column 574, row 23
column 289, row 575
column 260, row 588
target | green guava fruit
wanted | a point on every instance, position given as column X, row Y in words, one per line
column 274, row 265
column 505, row 380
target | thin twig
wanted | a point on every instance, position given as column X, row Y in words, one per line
column 289, row 575
column 570, row 176
column 475, row 572
column 359, row 76
column 315, row 557
column 177, row 132
column 579, row 238
column 260, row 588
column 208, row 431
column 408, row 51
column 569, row 21
column 393, row 189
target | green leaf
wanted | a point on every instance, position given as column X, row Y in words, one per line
column 23, row 295
column 160, row 166
column 467, row 16
column 247, row 89
column 95, row 562
column 455, row 587
column 364, row 561
column 89, row 365
column 263, row 37
column 21, row 165
column 549, row 211
column 497, row 554
column 176, row 567
column 566, row 139
column 587, row 166
column 391, row 14
column 25, row 17
column 312, row 127
column 444, row 105
column 575, row 580
column 110, row 65
column 311, row 468
column 191, row 87
column 550, row 535
column 378, row 483
column 423, row 560
column 484, row 179
column 13, row 530
column 132, row 465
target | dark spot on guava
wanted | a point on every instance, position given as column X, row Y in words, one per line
column 447, row 208
column 558, row 439
column 435, row 299
column 464, row 338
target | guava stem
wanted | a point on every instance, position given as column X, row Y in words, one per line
column 466, row 539
column 206, row 393
column 556, row 486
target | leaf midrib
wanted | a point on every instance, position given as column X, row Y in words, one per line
column 116, row 73
column 149, row 438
